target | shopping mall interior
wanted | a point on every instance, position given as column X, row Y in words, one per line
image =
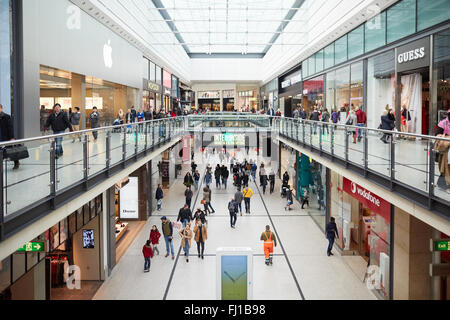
column 211, row 151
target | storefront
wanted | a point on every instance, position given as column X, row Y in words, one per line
column 247, row 98
column 290, row 91
column 187, row 98
column 269, row 95
column 313, row 94
column 229, row 100
column 364, row 224
column 167, row 92
column 40, row 269
column 209, row 101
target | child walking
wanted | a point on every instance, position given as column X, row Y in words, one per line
column 154, row 238
column 148, row 254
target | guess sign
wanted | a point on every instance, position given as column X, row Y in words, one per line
column 369, row 199
column 414, row 55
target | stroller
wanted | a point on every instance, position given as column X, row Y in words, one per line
column 117, row 122
column 284, row 190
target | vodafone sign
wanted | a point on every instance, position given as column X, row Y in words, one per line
column 369, row 199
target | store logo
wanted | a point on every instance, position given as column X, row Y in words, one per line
column 73, row 274
column 365, row 194
column 107, row 55
column 353, row 187
column 74, row 19
column 411, row 55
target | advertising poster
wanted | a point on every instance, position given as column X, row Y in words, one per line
column 234, row 278
column 129, row 199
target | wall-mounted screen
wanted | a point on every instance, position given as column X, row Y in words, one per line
column 88, row 239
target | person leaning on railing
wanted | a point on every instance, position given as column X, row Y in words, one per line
column 443, row 147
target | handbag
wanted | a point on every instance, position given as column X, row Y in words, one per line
column 15, row 153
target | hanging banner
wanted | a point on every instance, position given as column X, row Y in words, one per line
column 129, row 200
column 369, row 199
column 186, row 148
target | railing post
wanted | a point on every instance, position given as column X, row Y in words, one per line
column 136, row 143
column 108, row 150
column 346, row 147
column 153, row 135
column 304, row 132
column 124, row 145
column 332, row 140
column 311, row 136
column 392, row 163
column 53, row 170
column 431, row 173
column 146, row 137
column 86, row 160
column 2, row 198
column 320, row 137
column 366, row 150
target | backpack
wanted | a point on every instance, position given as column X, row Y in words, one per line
column 231, row 206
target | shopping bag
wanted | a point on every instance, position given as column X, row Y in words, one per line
column 176, row 225
column 15, row 153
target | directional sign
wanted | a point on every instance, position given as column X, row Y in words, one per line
column 33, row 247
column 440, row 245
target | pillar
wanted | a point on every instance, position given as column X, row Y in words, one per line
column 79, row 96
column 143, row 186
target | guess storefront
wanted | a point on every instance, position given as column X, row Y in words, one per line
column 364, row 224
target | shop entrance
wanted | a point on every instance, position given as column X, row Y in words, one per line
column 416, row 100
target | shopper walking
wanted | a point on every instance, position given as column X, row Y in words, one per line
column 154, row 238
column 286, row 179
column 233, row 210
column 225, row 174
column 248, row 193
column 208, row 178
column 314, row 117
column 148, row 254
column 188, row 180
column 325, row 120
column 59, row 122
column 185, row 215
column 186, row 236
column 386, row 124
column 207, row 194
column 254, row 168
column 361, row 119
column 352, row 121
column 7, row 133
column 331, row 233
column 272, row 180
column 217, row 175
column 264, row 178
column 270, row 240
column 196, row 179
column 94, row 120
column 201, row 235
column 239, row 197
column 305, row 199
column 200, row 215
column 159, row 196
column 167, row 229
column 188, row 194
column 75, row 118
column 193, row 167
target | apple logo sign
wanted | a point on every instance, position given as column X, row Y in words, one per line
column 107, row 55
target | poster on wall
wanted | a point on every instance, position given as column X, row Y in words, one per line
column 88, row 239
column 129, row 200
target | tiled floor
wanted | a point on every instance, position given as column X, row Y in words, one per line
column 87, row 291
column 300, row 256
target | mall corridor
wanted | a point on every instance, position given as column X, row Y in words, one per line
column 301, row 267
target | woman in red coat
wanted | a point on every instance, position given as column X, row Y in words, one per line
column 148, row 254
column 154, row 238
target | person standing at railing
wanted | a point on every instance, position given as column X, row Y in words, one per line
column 7, row 132
column 75, row 118
column 94, row 120
column 303, row 114
column 361, row 121
column 351, row 121
column 59, row 122
column 326, row 120
column 296, row 113
column 335, row 116
column 443, row 147
column 278, row 114
column 314, row 117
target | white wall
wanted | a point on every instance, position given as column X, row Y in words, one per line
column 226, row 69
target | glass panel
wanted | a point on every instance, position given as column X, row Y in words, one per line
column 357, row 89
column 5, row 56
column 356, row 42
column 375, row 32
column 158, row 75
column 33, row 176
column 305, row 70
column 69, row 169
column 319, row 61
column 311, row 65
column 343, row 89
column 340, row 47
column 430, row 13
column 5, row 273
column 331, row 91
column 401, row 20
column 329, row 56
column 339, row 142
column 145, row 68
column 152, row 72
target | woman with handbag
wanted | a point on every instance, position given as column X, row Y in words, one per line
column 7, row 134
column 443, row 147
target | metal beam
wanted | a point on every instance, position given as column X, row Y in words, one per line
column 226, row 55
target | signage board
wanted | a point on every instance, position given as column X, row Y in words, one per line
column 129, row 200
column 413, row 55
column 151, row 86
column 441, row 245
column 368, row 198
column 32, row 247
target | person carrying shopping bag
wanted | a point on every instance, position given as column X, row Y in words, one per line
column 186, row 236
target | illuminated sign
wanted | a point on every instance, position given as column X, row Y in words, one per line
column 229, row 139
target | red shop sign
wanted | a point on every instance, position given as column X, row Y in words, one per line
column 369, row 199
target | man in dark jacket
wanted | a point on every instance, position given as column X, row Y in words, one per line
column 167, row 230
column 185, row 215
column 7, row 131
column 386, row 124
column 331, row 233
column 59, row 122
column 233, row 209
column 159, row 196
column 217, row 175
column 188, row 194
column 94, row 120
column 225, row 174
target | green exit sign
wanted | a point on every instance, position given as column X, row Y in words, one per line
column 33, row 247
column 442, row 245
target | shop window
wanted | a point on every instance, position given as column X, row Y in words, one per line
column 319, row 60
column 313, row 94
column 145, row 68
column 158, row 75
column 375, row 32
column 5, row 56
column 441, row 82
column 356, row 42
column 152, row 72
column 340, row 47
column 380, row 86
column 329, row 56
column 305, row 69
column 401, row 20
column 356, row 86
column 342, row 83
column 5, row 274
column 430, row 13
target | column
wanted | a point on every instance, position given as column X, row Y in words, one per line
column 79, row 97
column 143, row 186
